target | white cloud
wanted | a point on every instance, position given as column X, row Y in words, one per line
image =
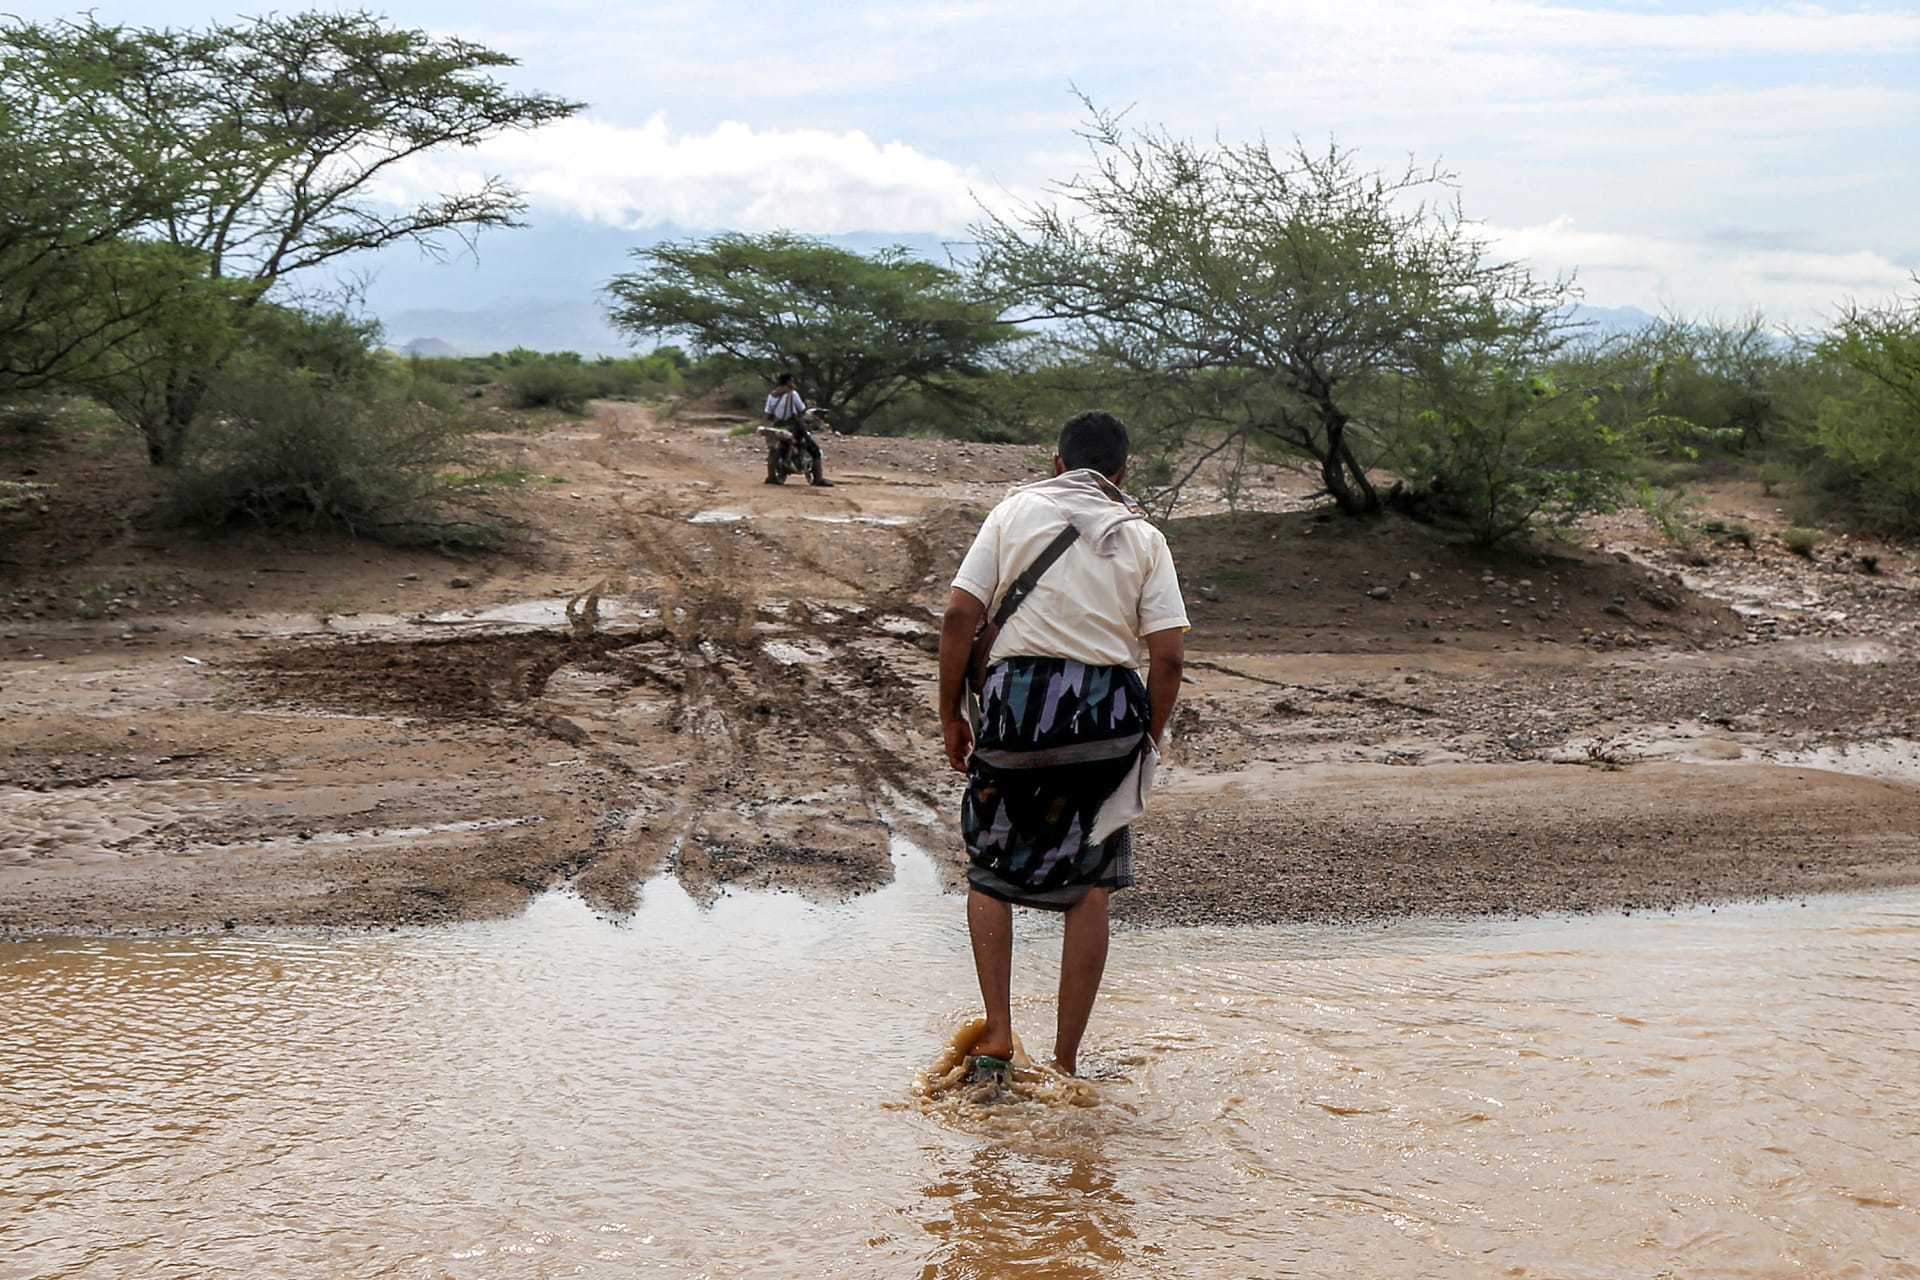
column 1696, row 279
column 1716, row 156
column 734, row 176
column 1394, row 27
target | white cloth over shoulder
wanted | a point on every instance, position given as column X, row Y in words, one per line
column 1129, row 799
column 1093, row 504
column 1113, row 587
column 784, row 406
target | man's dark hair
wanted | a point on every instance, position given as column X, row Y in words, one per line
column 786, row 379
column 1096, row 439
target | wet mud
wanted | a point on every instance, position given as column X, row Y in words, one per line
column 1377, row 722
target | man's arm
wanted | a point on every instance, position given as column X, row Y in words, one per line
column 962, row 620
column 1166, row 660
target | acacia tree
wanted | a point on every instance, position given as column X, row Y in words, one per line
column 69, row 288
column 251, row 151
column 860, row 331
column 1255, row 295
column 1865, row 440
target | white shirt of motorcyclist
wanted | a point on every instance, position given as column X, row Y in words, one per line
column 786, row 405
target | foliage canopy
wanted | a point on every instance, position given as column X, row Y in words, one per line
column 1868, row 440
column 1244, row 292
column 860, row 331
column 206, row 166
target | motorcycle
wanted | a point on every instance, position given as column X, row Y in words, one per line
column 787, row 454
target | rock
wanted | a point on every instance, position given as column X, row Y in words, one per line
column 1380, row 593
column 460, row 582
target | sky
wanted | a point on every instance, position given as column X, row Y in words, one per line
column 1689, row 158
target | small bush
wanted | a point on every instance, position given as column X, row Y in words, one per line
column 1668, row 473
column 29, row 419
column 455, row 371
column 431, row 393
column 550, row 386
column 291, row 448
column 1801, row 540
column 1728, row 532
column 1668, row 510
column 1499, row 452
column 1861, row 454
column 562, row 380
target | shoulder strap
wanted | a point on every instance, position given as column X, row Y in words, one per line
column 1025, row 583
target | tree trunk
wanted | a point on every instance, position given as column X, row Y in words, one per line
column 167, row 435
column 1342, row 473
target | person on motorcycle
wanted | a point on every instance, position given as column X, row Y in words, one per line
column 788, row 410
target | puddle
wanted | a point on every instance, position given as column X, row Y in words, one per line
column 895, row 625
column 716, row 517
column 1893, row 760
column 518, row 614
column 1889, row 760
column 1859, row 653
column 789, row 655
column 731, row 1091
column 374, row 837
column 880, row 520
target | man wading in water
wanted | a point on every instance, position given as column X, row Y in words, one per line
column 1068, row 733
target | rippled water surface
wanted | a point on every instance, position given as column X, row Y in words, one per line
column 730, row 1092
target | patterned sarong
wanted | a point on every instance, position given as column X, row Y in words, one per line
column 1056, row 738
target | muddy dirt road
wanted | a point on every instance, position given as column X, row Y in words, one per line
column 683, row 669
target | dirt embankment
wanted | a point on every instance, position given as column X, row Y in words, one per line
column 683, row 670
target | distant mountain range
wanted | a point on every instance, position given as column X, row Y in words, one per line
column 535, row 323
column 536, row 287
column 539, row 287
column 1606, row 321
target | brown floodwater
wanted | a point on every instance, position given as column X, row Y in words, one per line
column 752, row 1089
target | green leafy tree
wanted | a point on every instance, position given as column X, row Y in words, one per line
column 1866, row 440
column 1681, row 386
column 860, row 331
column 69, row 287
column 1254, row 294
column 252, row 151
column 1495, row 450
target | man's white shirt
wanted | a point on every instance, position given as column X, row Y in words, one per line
column 1091, row 607
column 785, row 405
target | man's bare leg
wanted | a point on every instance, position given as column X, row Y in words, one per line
column 990, row 923
column 1083, row 959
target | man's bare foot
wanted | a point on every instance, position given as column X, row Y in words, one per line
column 993, row 1042
column 1065, row 1066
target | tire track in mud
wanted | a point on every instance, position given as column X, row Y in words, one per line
column 758, row 728
column 812, row 684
